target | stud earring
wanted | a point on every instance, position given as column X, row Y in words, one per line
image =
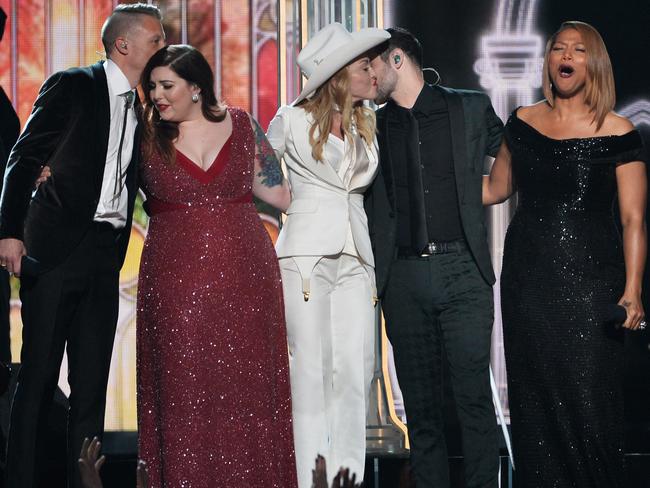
column 397, row 59
column 195, row 98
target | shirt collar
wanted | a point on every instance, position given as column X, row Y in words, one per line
column 117, row 81
column 426, row 99
column 424, row 103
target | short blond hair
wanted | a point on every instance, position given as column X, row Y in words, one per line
column 600, row 91
column 123, row 19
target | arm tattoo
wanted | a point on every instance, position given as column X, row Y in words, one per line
column 270, row 172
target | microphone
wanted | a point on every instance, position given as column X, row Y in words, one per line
column 30, row 267
column 616, row 315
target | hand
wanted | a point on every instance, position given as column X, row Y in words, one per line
column 319, row 473
column 42, row 178
column 343, row 480
column 634, row 309
column 11, row 252
column 142, row 480
column 89, row 465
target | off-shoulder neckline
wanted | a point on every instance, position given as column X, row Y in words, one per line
column 570, row 139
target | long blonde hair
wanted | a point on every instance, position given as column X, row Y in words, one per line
column 600, row 91
column 334, row 95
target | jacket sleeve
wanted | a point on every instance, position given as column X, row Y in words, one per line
column 41, row 136
column 494, row 129
column 277, row 132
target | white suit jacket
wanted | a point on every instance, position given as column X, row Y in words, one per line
column 322, row 208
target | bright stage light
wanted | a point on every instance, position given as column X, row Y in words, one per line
column 511, row 57
column 638, row 112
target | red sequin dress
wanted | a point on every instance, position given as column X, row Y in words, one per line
column 214, row 407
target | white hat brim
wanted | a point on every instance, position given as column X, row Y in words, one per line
column 362, row 42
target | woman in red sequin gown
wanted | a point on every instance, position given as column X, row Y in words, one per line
column 214, row 406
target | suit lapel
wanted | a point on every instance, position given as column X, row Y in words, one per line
column 321, row 169
column 458, row 144
column 386, row 158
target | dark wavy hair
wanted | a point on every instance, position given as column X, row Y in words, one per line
column 401, row 38
column 187, row 62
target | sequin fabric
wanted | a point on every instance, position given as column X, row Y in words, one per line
column 562, row 266
column 214, row 406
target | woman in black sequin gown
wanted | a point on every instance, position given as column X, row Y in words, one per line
column 564, row 264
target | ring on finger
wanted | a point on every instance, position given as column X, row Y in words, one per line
column 642, row 325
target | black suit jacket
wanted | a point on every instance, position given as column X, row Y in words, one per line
column 476, row 131
column 9, row 128
column 67, row 130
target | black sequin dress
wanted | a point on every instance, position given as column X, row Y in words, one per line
column 562, row 266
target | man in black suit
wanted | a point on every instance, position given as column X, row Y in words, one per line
column 67, row 241
column 434, row 274
column 9, row 131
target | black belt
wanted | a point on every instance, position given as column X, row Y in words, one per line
column 432, row 249
column 103, row 226
column 105, row 232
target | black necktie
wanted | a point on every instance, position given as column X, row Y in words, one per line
column 119, row 174
column 417, row 212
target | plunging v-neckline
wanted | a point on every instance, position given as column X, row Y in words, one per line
column 206, row 175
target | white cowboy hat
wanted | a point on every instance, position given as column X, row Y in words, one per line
column 330, row 49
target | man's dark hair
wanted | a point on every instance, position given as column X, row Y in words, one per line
column 123, row 18
column 401, row 39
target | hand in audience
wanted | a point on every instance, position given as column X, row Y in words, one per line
column 319, row 473
column 141, row 474
column 89, row 464
column 341, row 480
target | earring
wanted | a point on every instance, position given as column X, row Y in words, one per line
column 195, row 97
column 397, row 58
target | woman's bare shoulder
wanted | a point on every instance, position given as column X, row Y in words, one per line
column 616, row 125
column 529, row 113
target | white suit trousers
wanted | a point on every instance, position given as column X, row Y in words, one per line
column 331, row 357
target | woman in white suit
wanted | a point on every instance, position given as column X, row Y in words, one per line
column 327, row 140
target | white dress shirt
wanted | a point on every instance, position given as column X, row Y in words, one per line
column 110, row 208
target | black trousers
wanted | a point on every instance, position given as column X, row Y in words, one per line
column 75, row 303
column 429, row 304
column 5, row 310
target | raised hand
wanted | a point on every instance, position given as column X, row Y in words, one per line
column 89, row 464
column 319, row 473
column 343, row 480
column 142, row 478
